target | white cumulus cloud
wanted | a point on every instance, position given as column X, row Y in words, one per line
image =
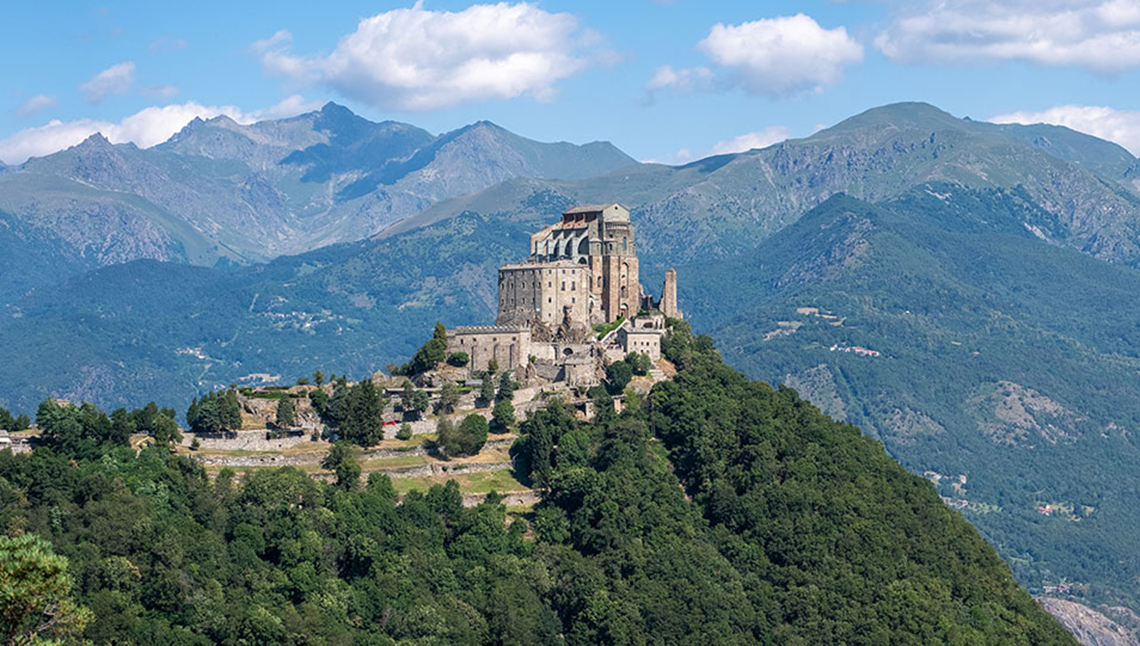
column 748, row 141
column 35, row 104
column 145, row 128
column 1119, row 126
column 773, row 56
column 415, row 59
column 1100, row 35
column 113, row 80
column 752, row 140
column 679, row 81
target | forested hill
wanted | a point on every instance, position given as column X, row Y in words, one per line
column 717, row 510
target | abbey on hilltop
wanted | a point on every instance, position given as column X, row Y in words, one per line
column 576, row 302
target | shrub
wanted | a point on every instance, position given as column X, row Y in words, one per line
column 466, row 439
column 458, row 359
column 405, row 432
column 640, row 362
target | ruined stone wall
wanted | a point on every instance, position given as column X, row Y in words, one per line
column 669, row 295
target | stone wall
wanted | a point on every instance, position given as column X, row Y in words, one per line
column 509, row 346
column 544, row 292
column 242, row 441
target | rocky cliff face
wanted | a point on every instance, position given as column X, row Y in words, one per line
column 1091, row 628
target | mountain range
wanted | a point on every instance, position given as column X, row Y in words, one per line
column 963, row 291
column 220, row 193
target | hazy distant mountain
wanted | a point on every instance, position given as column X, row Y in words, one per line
column 724, row 205
column 219, row 191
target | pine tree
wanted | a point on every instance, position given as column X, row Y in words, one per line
column 230, row 411
column 420, row 402
column 487, row 390
column 364, row 424
column 506, row 387
column 448, row 397
column 503, row 414
column 342, row 463
column 285, row 414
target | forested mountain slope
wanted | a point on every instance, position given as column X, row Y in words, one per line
column 799, row 530
column 1004, row 367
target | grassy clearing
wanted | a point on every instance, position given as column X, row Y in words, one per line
column 501, row 481
column 394, row 463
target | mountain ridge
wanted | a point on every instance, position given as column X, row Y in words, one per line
column 223, row 192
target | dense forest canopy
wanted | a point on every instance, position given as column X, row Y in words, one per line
column 716, row 510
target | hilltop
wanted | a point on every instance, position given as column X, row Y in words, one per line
column 798, row 528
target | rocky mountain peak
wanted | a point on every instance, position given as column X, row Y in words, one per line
column 95, row 142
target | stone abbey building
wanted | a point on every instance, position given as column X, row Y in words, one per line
column 582, row 271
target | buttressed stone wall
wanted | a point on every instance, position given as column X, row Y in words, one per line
column 508, row 345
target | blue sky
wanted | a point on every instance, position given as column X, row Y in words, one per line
column 664, row 80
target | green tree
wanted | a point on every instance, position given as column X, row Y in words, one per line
column 492, row 366
column 343, row 464
column 618, row 376
column 420, row 402
column 364, row 415
column 122, row 426
column 405, row 432
column 465, row 439
column 320, row 401
column 165, row 430
column 35, row 593
column 230, row 411
column 503, row 415
column 487, row 389
column 458, row 359
column 430, row 353
column 506, row 386
column 285, row 414
column 319, row 378
column 407, row 390
column 448, row 397
column 542, row 430
column 639, row 362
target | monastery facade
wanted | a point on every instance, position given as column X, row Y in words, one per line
column 582, row 271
